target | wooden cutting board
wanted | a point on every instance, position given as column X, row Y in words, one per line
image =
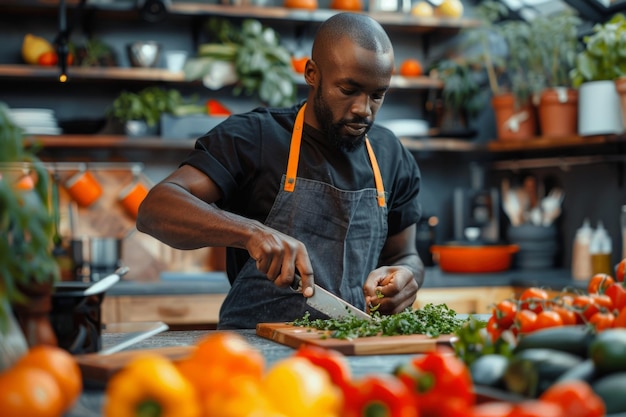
column 294, row 336
column 97, row 368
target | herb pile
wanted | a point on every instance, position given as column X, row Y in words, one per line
column 432, row 320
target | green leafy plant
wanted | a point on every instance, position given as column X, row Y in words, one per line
column 554, row 45
column 149, row 103
column 604, row 56
column 262, row 65
column 461, row 93
column 26, row 218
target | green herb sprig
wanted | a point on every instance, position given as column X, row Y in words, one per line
column 432, row 320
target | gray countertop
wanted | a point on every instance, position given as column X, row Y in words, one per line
column 90, row 402
column 173, row 283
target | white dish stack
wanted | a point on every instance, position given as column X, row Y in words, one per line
column 36, row 121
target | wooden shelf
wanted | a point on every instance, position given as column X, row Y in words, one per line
column 403, row 21
column 541, row 143
column 22, row 71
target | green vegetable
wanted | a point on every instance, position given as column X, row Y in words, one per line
column 432, row 320
column 570, row 339
column 473, row 342
column 612, row 389
column 608, row 351
column 489, row 370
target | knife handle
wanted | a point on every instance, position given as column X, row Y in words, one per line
column 296, row 284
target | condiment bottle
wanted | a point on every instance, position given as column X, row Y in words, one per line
column 623, row 223
column 600, row 248
column 581, row 257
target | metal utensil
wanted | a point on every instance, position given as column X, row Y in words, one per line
column 328, row 303
column 106, row 282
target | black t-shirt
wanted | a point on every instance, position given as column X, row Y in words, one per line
column 246, row 156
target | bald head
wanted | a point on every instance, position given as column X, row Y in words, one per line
column 362, row 30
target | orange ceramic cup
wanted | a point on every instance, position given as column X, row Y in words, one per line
column 83, row 188
column 132, row 196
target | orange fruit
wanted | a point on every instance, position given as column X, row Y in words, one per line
column 25, row 183
column 61, row 365
column 353, row 5
column 220, row 356
column 299, row 64
column 301, row 4
column 411, row 68
column 28, row 391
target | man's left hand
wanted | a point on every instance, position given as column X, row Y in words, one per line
column 390, row 289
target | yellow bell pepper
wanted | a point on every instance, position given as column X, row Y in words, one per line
column 296, row 387
column 150, row 386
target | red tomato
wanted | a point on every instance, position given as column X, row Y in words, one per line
column 602, row 321
column 526, row 321
column 534, row 299
column 599, row 283
column 504, row 313
column 493, row 329
column 603, row 301
column 617, row 294
column 585, row 305
column 548, row 318
column 576, row 398
column 620, row 270
column 620, row 320
column 48, row 59
column 568, row 315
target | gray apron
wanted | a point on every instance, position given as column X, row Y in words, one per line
column 343, row 231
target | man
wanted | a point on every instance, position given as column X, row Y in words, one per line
column 315, row 189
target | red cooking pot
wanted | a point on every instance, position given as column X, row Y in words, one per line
column 472, row 258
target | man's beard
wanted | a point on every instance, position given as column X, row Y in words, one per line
column 332, row 130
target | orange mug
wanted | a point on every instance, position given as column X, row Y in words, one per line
column 83, row 188
column 132, row 196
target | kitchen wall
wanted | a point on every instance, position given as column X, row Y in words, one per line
column 594, row 190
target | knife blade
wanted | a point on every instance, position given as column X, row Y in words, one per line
column 328, row 303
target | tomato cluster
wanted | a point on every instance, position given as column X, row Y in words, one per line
column 602, row 305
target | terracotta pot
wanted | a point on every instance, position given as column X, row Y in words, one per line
column 558, row 112
column 513, row 123
column 33, row 314
column 620, row 86
column 466, row 258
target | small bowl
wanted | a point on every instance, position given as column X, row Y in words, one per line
column 144, row 54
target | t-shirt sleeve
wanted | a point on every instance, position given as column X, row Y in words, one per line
column 404, row 207
column 228, row 154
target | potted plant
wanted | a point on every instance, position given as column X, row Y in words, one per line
column 28, row 268
column 141, row 112
column 250, row 57
column 510, row 67
column 462, row 96
column 598, row 66
column 554, row 43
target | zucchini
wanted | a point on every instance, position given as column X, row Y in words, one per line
column 570, row 339
column 584, row 371
column 608, row 351
column 488, row 370
column 531, row 371
column 612, row 389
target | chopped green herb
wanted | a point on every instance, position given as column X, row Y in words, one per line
column 432, row 320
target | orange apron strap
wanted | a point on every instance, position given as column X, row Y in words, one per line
column 294, row 151
column 378, row 179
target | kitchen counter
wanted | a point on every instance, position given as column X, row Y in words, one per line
column 173, row 283
column 90, row 403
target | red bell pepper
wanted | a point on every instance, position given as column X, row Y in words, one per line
column 380, row 396
column 436, row 379
column 215, row 108
column 332, row 361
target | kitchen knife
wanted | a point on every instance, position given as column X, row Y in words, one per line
column 328, row 303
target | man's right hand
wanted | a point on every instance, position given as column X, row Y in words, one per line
column 278, row 256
